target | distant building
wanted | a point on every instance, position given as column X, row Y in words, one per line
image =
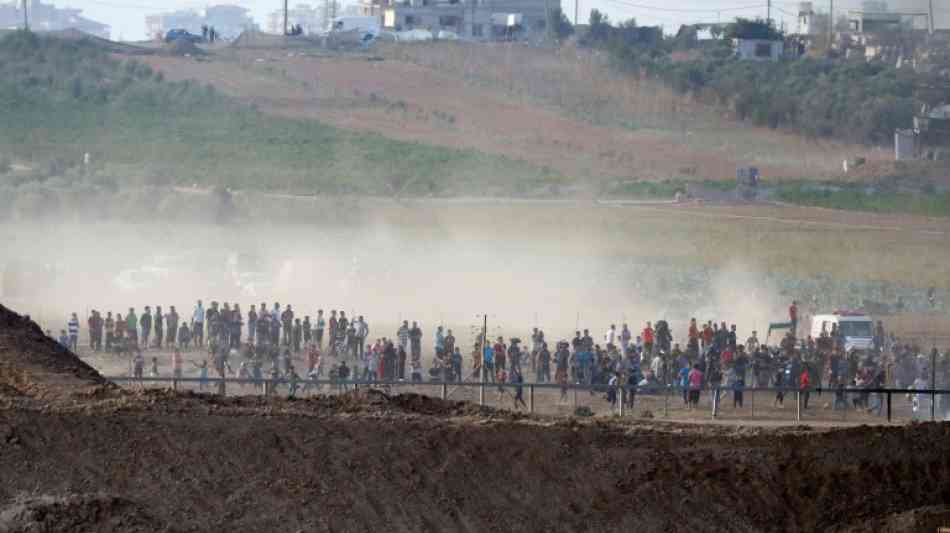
column 758, row 49
column 470, row 19
column 228, row 21
column 309, row 18
column 806, row 19
column 47, row 17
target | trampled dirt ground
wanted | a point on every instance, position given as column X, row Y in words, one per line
column 158, row 461
column 463, row 101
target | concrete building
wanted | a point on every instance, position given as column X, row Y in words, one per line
column 806, row 19
column 309, row 18
column 470, row 19
column 228, row 21
column 758, row 49
column 47, row 17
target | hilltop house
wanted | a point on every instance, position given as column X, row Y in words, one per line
column 307, row 17
column 471, row 19
column 47, row 17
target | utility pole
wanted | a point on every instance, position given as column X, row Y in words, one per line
column 768, row 12
column 26, row 16
column 577, row 4
column 285, row 17
column 930, row 18
column 831, row 24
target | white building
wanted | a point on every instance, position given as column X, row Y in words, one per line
column 758, row 49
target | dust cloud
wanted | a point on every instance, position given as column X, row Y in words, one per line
column 556, row 266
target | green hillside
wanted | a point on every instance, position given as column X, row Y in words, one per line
column 64, row 98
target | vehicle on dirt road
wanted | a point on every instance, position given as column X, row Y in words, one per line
column 856, row 328
column 176, row 34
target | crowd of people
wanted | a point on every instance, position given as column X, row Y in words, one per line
column 264, row 342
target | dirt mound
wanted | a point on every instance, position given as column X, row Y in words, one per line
column 372, row 462
column 183, row 47
column 923, row 520
column 76, row 513
column 32, row 364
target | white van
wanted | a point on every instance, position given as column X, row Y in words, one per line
column 364, row 25
column 856, row 328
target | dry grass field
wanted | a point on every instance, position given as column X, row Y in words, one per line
column 563, row 110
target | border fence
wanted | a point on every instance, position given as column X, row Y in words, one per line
column 761, row 404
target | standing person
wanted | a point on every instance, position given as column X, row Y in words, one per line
column 297, row 333
column 91, row 326
column 251, row 325
column 611, row 336
column 648, row 339
column 403, row 335
column 177, row 361
column 307, row 330
column 778, row 381
column 439, row 341
column 625, row 338
column 237, row 324
column 109, row 324
column 198, row 325
column 145, row 322
column 518, row 380
column 415, row 341
column 331, row 327
column 73, row 327
column 158, row 322
column 450, row 346
column 695, row 385
column 457, row 364
column 488, row 363
column 401, row 359
column 132, row 327
column 321, row 326
column 287, row 321
column 804, row 386
column 544, row 364
column 184, row 335
column 171, row 321
column 362, row 331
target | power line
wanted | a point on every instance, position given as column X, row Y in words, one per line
column 679, row 10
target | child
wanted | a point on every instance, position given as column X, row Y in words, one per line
column 153, row 373
column 176, row 363
column 202, row 374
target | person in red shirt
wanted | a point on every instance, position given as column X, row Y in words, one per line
column 707, row 335
column 648, row 339
column 804, row 385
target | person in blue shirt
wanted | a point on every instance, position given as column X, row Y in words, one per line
column 488, row 362
column 684, row 383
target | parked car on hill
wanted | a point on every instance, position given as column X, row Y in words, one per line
column 176, row 34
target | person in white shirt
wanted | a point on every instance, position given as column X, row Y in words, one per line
column 611, row 336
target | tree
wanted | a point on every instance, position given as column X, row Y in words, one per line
column 599, row 31
column 560, row 26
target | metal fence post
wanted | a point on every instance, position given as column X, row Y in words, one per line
column 530, row 398
column 888, row 405
column 715, row 402
column 666, row 401
column 752, row 404
column 623, row 394
column 481, row 393
column 575, row 397
column 175, row 385
column 798, row 406
column 445, row 391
